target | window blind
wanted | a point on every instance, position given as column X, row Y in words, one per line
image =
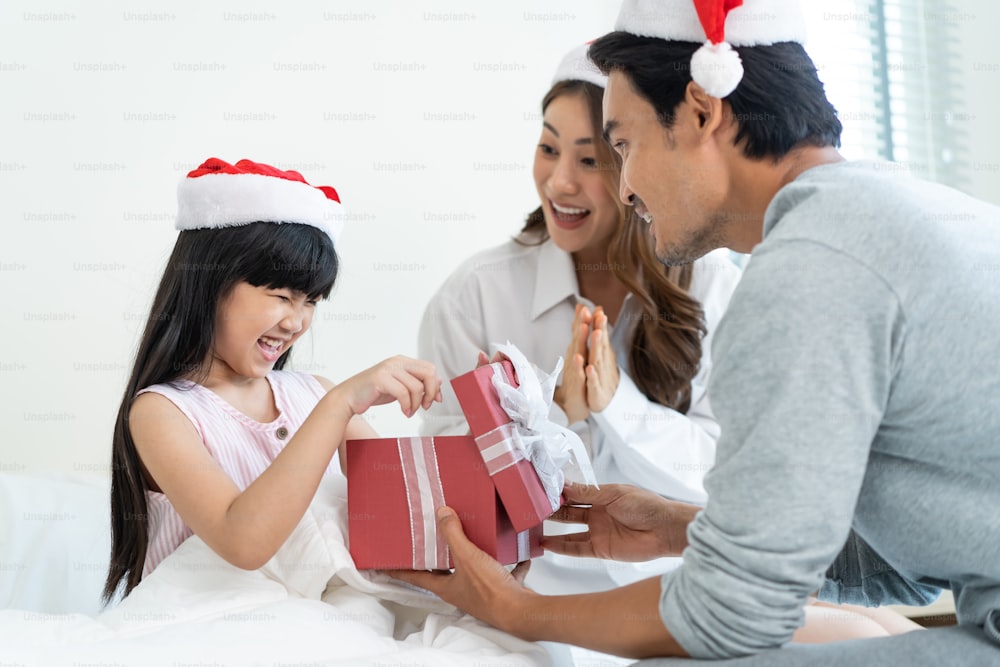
column 889, row 68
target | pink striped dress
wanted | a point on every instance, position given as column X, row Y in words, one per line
column 243, row 447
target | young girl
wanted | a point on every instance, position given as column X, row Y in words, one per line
column 212, row 437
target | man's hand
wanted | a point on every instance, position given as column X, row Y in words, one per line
column 624, row 523
column 479, row 584
column 625, row 621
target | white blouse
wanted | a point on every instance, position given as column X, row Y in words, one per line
column 527, row 295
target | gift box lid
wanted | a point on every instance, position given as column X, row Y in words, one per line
column 517, row 482
column 478, row 397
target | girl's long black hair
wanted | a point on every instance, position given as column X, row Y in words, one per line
column 205, row 265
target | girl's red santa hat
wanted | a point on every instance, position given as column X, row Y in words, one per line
column 218, row 194
column 720, row 24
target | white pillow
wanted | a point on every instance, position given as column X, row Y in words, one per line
column 55, row 542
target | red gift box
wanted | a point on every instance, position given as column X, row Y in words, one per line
column 394, row 487
column 515, row 478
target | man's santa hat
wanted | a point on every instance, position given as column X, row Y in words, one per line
column 219, row 194
column 577, row 66
column 720, row 24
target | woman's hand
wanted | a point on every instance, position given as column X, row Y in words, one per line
column 602, row 366
column 571, row 394
column 411, row 382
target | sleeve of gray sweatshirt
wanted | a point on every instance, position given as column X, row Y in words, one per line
column 803, row 366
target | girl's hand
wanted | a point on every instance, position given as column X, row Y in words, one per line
column 412, row 382
column 571, row 394
column 602, row 366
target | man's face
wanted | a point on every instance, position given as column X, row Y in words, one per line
column 675, row 178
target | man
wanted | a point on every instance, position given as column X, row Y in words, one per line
column 855, row 377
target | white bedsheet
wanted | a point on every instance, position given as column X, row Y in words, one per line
column 307, row 606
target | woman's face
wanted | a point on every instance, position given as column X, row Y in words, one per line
column 580, row 213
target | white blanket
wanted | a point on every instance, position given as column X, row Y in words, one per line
column 307, row 606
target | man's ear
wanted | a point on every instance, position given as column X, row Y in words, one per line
column 704, row 112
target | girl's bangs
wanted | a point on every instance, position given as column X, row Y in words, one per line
column 294, row 256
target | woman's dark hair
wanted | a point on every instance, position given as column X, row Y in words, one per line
column 204, row 267
column 665, row 350
column 779, row 104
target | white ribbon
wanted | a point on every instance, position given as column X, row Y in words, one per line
column 501, row 448
column 424, row 494
column 523, row 546
column 547, row 445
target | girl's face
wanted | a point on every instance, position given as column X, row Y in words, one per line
column 256, row 325
column 580, row 212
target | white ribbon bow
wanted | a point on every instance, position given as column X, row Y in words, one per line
column 546, row 444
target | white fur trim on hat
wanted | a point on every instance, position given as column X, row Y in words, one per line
column 577, row 66
column 754, row 23
column 715, row 66
column 228, row 200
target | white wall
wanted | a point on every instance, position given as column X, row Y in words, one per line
column 423, row 115
column 978, row 74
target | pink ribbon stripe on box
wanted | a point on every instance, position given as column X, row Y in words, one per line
column 425, row 495
column 500, row 448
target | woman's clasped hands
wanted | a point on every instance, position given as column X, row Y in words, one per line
column 590, row 375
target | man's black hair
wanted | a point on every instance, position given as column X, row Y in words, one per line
column 779, row 104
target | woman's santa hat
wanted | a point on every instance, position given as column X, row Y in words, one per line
column 219, row 194
column 721, row 24
column 577, row 66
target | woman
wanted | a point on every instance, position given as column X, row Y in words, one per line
column 581, row 281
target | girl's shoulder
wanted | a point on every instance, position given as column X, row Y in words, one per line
column 175, row 389
column 166, row 404
column 189, row 397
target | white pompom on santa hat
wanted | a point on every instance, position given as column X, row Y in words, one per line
column 721, row 24
column 218, row 194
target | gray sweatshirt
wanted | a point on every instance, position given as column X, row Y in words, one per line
column 857, row 384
